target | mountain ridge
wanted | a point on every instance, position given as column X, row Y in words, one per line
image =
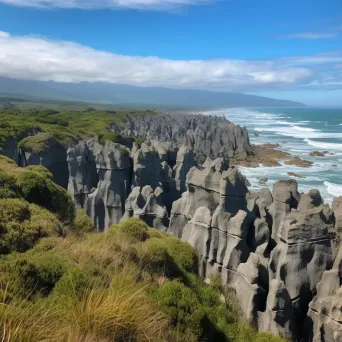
column 120, row 94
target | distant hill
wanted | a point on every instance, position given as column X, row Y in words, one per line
column 132, row 95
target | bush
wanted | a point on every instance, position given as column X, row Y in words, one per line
column 182, row 307
column 42, row 170
column 36, row 188
column 133, row 229
column 183, row 254
column 82, row 224
column 8, row 187
column 154, row 254
column 35, row 143
column 22, row 225
column 40, row 273
column 116, row 138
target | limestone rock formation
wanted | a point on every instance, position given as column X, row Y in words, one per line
column 184, row 162
column 337, row 209
column 209, row 136
column 324, row 318
column 53, row 157
column 305, row 249
column 106, row 205
column 147, row 205
column 82, row 170
column 285, row 197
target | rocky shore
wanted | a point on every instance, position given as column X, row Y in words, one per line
column 278, row 250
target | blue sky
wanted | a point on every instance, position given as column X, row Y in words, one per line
column 284, row 49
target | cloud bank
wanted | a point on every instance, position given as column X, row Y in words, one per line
column 105, row 4
column 37, row 58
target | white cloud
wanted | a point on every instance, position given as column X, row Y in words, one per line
column 4, row 34
column 310, row 35
column 109, row 4
column 29, row 57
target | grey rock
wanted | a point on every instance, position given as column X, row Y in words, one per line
column 285, row 197
column 278, row 317
column 106, row 204
column 310, row 200
column 185, row 161
column 147, row 205
column 324, row 318
column 53, row 157
column 146, row 166
column 337, row 209
column 249, row 288
column 82, row 171
column 209, row 136
column 304, row 251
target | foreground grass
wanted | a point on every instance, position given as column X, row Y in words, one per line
column 129, row 284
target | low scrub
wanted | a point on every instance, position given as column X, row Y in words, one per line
column 131, row 283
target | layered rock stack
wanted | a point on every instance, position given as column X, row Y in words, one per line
column 208, row 136
column 272, row 249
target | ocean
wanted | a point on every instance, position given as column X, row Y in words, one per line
column 299, row 131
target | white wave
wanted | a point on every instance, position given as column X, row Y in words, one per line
column 309, row 135
column 324, row 145
column 284, row 123
column 334, row 189
column 303, row 129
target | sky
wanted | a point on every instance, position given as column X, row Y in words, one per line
column 286, row 49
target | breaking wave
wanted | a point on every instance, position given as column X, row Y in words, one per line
column 334, row 189
column 324, row 145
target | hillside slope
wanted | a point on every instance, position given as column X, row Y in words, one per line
column 133, row 95
column 60, row 282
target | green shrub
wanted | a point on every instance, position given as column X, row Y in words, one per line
column 8, row 187
column 133, row 229
column 180, row 304
column 154, row 254
column 36, row 188
column 40, row 273
column 116, row 138
column 42, row 170
column 35, row 143
column 183, row 254
column 22, row 225
column 82, row 224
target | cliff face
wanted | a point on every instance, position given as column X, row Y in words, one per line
column 278, row 251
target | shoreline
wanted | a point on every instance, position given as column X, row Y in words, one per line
column 268, row 155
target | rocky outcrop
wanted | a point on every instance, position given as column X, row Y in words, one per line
column 106, row 205
column 209, row 136
column 272, row 249
column 324, row 318
column 83, row 175
column 53, row 157
column 147, row 205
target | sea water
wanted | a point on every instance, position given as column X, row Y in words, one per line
column 298, row 131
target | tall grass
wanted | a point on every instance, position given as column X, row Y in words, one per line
column 121, row 312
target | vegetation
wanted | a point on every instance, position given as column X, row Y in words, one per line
column 60, row 281
column 35, row 128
